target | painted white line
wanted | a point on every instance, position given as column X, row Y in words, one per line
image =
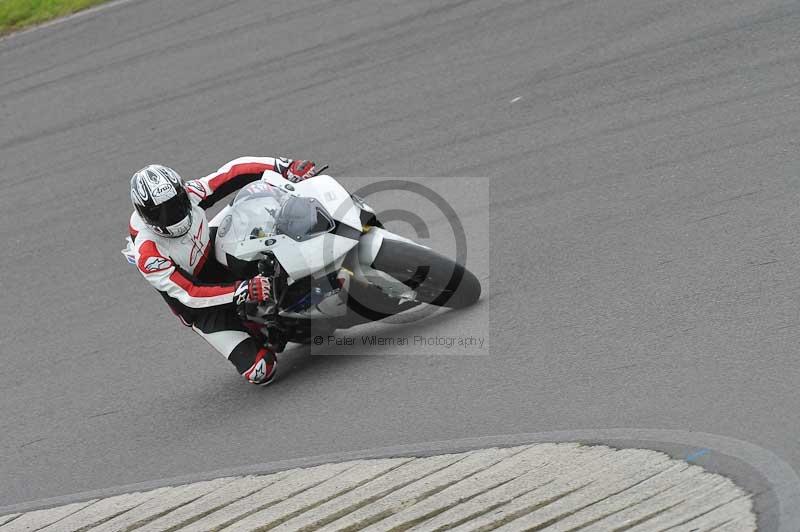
column 515, row 100
column 547, row 486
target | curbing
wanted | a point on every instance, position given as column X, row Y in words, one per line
column 547, row 486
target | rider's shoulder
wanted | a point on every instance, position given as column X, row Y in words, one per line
column 136, row 225
column 197, row 190
column 148, row 242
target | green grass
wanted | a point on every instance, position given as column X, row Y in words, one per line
column 16, row 14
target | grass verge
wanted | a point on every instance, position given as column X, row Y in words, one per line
column 18, row 14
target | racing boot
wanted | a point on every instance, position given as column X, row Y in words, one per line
column 263, row 370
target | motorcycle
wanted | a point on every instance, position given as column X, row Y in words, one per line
column 332, row 263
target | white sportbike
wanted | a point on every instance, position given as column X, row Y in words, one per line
column 332, row 263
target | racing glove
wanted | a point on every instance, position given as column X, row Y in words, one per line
column 259, row 290
column 251, row 294
column 300, row 170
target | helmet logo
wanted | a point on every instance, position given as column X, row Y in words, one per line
column 162, row 190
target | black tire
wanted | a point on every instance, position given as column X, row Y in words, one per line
column 438, row 280
column 303, row 331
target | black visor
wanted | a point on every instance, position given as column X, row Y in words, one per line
column 168, row 213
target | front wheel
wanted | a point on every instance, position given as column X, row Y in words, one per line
column 436, row 279
column 302, row 331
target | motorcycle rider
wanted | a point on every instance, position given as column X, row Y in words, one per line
column 172, row 242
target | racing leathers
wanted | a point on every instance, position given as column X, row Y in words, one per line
column 198, row 290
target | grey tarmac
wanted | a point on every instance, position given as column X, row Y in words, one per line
column 640, row 266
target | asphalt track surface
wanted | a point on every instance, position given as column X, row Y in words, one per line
column 639, row 263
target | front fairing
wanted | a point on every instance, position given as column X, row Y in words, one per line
column 268, row 219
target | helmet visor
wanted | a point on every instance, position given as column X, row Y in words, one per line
column 168, row 213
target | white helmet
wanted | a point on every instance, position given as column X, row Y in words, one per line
column 160, row 198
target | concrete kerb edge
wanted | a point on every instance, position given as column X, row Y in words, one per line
column 782, row 479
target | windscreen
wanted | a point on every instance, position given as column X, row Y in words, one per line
column 254, row 214
column 262, row 210
column 303, row 218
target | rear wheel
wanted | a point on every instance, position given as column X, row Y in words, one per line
column 436, row 279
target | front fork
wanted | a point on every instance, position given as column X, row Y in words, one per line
column 269, row 324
